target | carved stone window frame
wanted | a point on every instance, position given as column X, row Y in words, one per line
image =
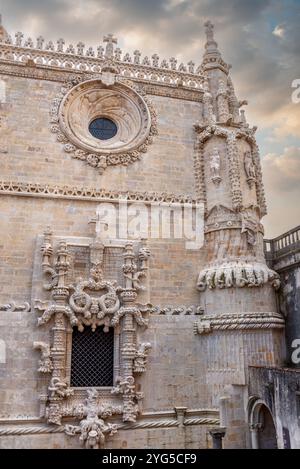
column 74, row 305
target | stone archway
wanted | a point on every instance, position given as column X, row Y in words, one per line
column 262, row 427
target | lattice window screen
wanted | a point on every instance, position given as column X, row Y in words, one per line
column 92, row 357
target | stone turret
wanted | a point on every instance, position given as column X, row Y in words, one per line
column 232, row 188
column 237, row 289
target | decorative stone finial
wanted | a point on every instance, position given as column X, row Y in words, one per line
column 212, row 58
column 110, row 40
column 209, row 30
column 211, row 45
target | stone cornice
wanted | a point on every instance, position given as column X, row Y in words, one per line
column 54, row 191
column 60, row 75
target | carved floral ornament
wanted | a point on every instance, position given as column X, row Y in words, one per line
column 96, row 302
column 82, row 99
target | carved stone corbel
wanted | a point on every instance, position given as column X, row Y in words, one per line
column 45, row 363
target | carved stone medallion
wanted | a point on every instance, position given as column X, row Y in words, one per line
column 78, row 106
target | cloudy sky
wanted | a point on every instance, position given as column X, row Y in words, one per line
column 260, row 38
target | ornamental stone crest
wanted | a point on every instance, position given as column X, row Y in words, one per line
column 82, row 100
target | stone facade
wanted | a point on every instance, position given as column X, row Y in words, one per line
column 182, row 346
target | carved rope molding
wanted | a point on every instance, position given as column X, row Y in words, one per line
column 33, row 189
column 190, row 417
column 136, row 426
column 238, row 321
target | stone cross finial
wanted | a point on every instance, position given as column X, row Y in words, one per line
column 209, row 31
column 110, row 40
column 211, row 45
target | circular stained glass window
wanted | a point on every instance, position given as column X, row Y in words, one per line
column 103, row 128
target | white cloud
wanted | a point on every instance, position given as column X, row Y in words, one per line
column 284, row 169
column 264, row 63
column 281, row 177
column 279, row 31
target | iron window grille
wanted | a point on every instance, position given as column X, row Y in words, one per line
column 92, row 359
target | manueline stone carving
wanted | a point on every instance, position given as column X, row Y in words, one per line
column 234, row 104
column 249, row 168
column 215, row 166
column 222, row 103
column 177, row 310
column 93, row 429
column 45, row 363
column 89, row 193
column 126, row 388
column 209, row 117
column 83, row 99
column 238, row 321
column 96, row 302
column 78, row 60
column 140, row 360
column 237, row 275
column 250, row 226
column 93, row 298
column 12, row 306
column 59, row 388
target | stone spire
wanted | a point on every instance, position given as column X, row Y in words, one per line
column 212, row 58
column 3, row 32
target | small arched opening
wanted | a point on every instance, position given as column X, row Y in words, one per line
column 262, row 427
